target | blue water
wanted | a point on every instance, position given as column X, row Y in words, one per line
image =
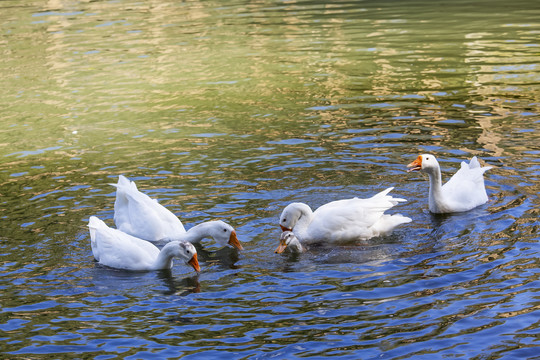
column 232, row 111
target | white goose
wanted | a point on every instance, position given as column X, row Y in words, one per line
column 464, row 191
column 139, row 215
column 287, row 240
column 114, row 248
column 342, row 220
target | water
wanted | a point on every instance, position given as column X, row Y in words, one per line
column 232, row 110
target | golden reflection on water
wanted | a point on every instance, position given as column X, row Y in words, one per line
column 110, row 61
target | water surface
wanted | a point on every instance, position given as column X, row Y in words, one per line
column 231, row 110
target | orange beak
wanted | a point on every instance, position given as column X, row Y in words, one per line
column 233, row 241
column 283, row 228
column 195, row 263
column 282, row 246
column 416, row 165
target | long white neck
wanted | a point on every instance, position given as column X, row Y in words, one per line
column 300, row 229
column 198, row 232
column 193, row 235
column 165, row 257
column 435, row 188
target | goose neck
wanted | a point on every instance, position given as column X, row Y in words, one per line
column 197, row 233
column 302, row 224
column 435, row 186
column 165, row 257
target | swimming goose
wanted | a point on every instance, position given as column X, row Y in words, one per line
column 114, row 248
column 342, row 220
column 287, row 240
column 139, row 215
column 464, row 191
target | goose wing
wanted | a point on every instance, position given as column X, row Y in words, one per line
column 466, row 187
column 350, row 218
column 114, row 248
column 137, row 214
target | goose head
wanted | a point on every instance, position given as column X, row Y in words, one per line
column 224, row 234
column 288, row 239
column 290, row 215
column 424, row 162
column 184, row 250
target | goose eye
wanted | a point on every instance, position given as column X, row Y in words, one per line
column 224, row 230
column 427, row 158
column 284, row 220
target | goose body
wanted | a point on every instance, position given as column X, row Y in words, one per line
column 464, row 191
column 114, row 248
column 342, row 220
column 137, row 214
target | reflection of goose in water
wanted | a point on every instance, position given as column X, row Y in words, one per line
column 464, row 191
column 361, row 253
column 139, row 215
column 225, row 258
column 182, row 286
column 116, row 249
column 342, row 221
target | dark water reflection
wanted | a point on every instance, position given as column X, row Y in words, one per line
column 233, row 110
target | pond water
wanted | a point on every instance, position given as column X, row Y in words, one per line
column 233, row 109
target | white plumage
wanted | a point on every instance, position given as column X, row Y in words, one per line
column 137, row 214
column 114, row 248
column 342, row 220
column 287, row 240
column 464, row 191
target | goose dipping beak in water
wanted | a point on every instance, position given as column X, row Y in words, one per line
column 136, row 214
column 234, row 242
column 116, row 249
column 342, row 221
column 288, row 240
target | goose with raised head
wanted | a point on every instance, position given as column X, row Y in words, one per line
column 464, row 191
column 137, row 214
column 116, row 249
column 342, row 220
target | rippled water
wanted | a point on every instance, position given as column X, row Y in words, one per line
column 232, row 110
